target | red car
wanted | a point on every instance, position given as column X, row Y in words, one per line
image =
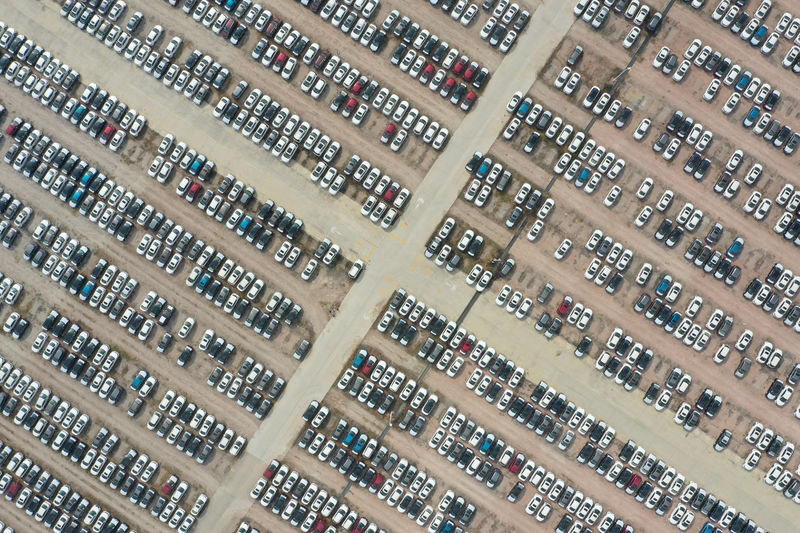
column 169, row 486
column 468, row 101
column 447, row 87
column 391, row 191
column 194, row 190
column 377, row 483
column 321, row 59
column 634, row 484
column 14, row 126
column 359, row 85
column 515, row 466
column 271, row 469
column 566, row 303
column 369, row 365
column 472, row 69
column 361, row 525
column 427, row 72
column 459, row 67
column 467, row 344
column 272, row 27
column 388, row 133
column 228, row 28
column 13, row 489
column 280, row 61
column 108, row 132
column 350, row 107
column 320, row 526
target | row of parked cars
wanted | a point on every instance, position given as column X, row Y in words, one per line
column 48, row 499
column 410, row 57
column 303, row 503
column 362, row 86
column 74, row 181
column 250, row 387
column 471, row 243
column 95, row 120
column 20, row 46
column 596, row 13
column 507, row 20
column 342, row 74
column 16, row 215
column 382, row 187
column 748, row 28
column 224, row 25
column 214, row 272
column 514, row 409
column 557, row 490
column 765, row 441
column 542, row 392
column 83, row 357
column 788, row 224
column 745, row 84
column 361, row 458
column 783, row 281
column 616, row 256
column 42, row 418
column 192, row 430
column 378, row 395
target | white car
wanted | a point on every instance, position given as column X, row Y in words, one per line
column 661, row 56
column 712, row 90
column 563, row 249
column 612, row 196
column 731, row 104
column 641, row 131
column 631, row 38
column 562, row 78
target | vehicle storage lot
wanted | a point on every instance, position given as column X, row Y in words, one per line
column 340, row 316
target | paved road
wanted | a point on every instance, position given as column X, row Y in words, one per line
column 395, row 263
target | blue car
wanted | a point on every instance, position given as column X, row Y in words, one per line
column 750, row 118
column 87, row 176
column 87, row 290
column 663, row 285
column 359, row 359
column 203, row 283
column 77, row 197
column 581, row 179
column 78, row 115
column 743, row 81
column 350, row 437
column 523, row 109
column 139, row 380
column 358, row 447
column 758, row 36
column 484, row 168
column 735, row 248
column 673, row 321
column 487, row 444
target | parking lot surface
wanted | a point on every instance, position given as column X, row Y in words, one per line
column 414, row 219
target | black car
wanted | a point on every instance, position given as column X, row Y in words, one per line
column 623, row 117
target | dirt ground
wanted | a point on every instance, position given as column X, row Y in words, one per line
column 577, row 214
column 408, row 167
